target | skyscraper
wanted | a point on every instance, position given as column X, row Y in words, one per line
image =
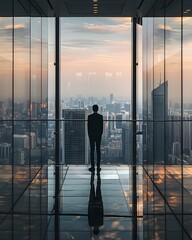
column 127, row 142
column 75, row 139
column 21, row 141
column 111, row 98
column 2, row 110
column 112, row 122
column 177, row 149
column 160, row 114
column 33, row 140
column 5, row 153
column 119, row 118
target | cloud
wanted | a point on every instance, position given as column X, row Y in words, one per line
column 105, row 29
column 21, row 30
column 22, row 35
column 88, row 28
column 97, row 25
column 163, row 27
column 79, row 74
column 97, row 28
column 84, row 47
column 83, row 43
column 126, row 20
column 16, row 26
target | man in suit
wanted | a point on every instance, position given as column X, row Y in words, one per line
column 95, row 131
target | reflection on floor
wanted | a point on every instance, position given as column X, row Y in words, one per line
column 27, row 200
column 167, row 202
column 75, row 200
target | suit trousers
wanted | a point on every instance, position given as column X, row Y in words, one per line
column 95, row 141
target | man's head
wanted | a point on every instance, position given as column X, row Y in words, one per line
column 95, row 108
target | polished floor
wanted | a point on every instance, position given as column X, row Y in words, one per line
column 74, row 199
column 104, row 201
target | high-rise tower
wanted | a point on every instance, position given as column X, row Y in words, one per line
column 160, row 115
column 75, row 141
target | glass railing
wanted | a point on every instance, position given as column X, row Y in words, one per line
column 116, row 143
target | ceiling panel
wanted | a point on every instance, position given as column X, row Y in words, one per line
column 144, row 6
column 65, row 8
column 79, row 9
column 6, row 8
column 111, row 8
column 104, row 8
column 130, row 8
column 170, row 8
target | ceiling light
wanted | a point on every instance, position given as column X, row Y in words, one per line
column 95, row 6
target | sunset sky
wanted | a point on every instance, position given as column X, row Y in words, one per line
column 95, row 56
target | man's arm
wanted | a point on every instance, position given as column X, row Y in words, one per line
column 88, row 125
column 101, row 124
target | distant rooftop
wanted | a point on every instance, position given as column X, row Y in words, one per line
column 20, row 136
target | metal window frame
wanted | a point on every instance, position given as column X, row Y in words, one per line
column 57, row 125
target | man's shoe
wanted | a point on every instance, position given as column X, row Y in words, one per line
column 91, row 169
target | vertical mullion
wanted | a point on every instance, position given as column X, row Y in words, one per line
column 41, row 122
column 57, row 91
column 153, row 171
column 57, row 124
column 30, row 115
column 134, row 117
column 182, row 118
column 13, row 169
column 147, row 127
column 166, row 123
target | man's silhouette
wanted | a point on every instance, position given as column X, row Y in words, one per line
column 95, row 207
column 95, row 131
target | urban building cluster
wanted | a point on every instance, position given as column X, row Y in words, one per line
column 117, row 135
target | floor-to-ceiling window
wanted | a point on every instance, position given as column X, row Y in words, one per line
column 167, row 125
column 95, row 64
column 96, row 69
column 23, row 127
column 28, row 115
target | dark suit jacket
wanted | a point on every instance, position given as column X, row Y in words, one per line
column 95, row 125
